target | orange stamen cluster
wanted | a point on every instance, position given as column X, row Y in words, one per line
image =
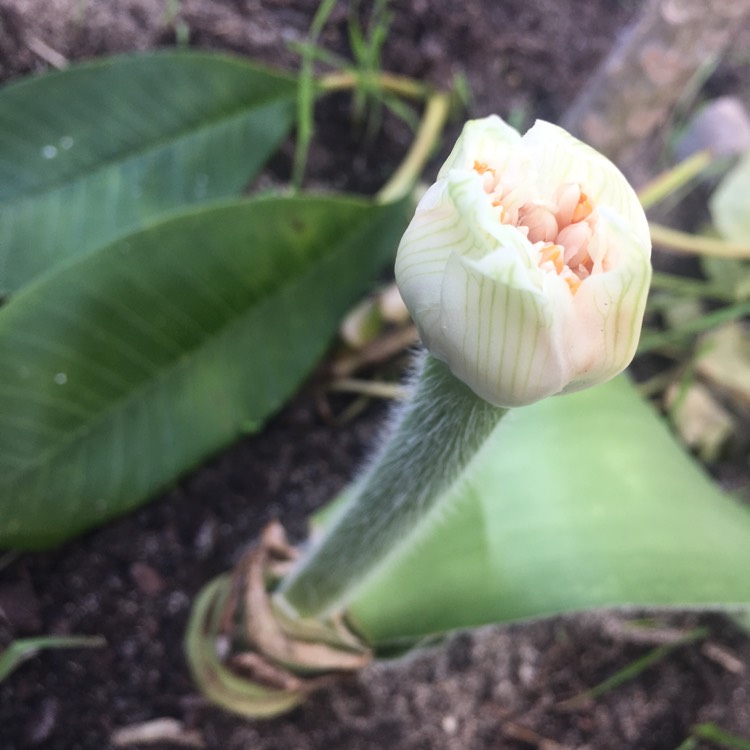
column 583, row 208
column 560, row 230
column 552, row 253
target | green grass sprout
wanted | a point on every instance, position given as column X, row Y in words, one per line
column 25, row 648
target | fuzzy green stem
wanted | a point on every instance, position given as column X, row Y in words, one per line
column 440, row 430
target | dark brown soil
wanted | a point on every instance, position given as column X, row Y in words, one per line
column 132, row 582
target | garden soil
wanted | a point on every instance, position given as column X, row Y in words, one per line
column 132, row 582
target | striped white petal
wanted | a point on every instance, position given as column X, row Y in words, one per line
column 487, row 141
column 489, row 235
column 516, row 320
column 436, row 231
column 502, row 340
column 608, row 312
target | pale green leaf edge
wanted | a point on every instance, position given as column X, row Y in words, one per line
column 577, row 502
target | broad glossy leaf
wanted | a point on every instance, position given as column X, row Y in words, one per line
column 575, row 502
column 94, row 152
column 128, row 366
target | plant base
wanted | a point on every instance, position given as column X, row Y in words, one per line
column 247, row 656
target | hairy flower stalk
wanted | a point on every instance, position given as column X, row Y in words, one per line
column 437, row 434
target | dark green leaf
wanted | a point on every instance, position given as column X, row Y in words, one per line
column 94, row 152
column 130, row 365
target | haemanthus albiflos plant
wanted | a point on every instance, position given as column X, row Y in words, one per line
column 526, row 269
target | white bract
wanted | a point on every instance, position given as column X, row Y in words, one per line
column 527, row 264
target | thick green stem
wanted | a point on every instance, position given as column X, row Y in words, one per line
column 438, row 433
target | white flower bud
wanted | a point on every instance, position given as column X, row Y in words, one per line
column 526, row 266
